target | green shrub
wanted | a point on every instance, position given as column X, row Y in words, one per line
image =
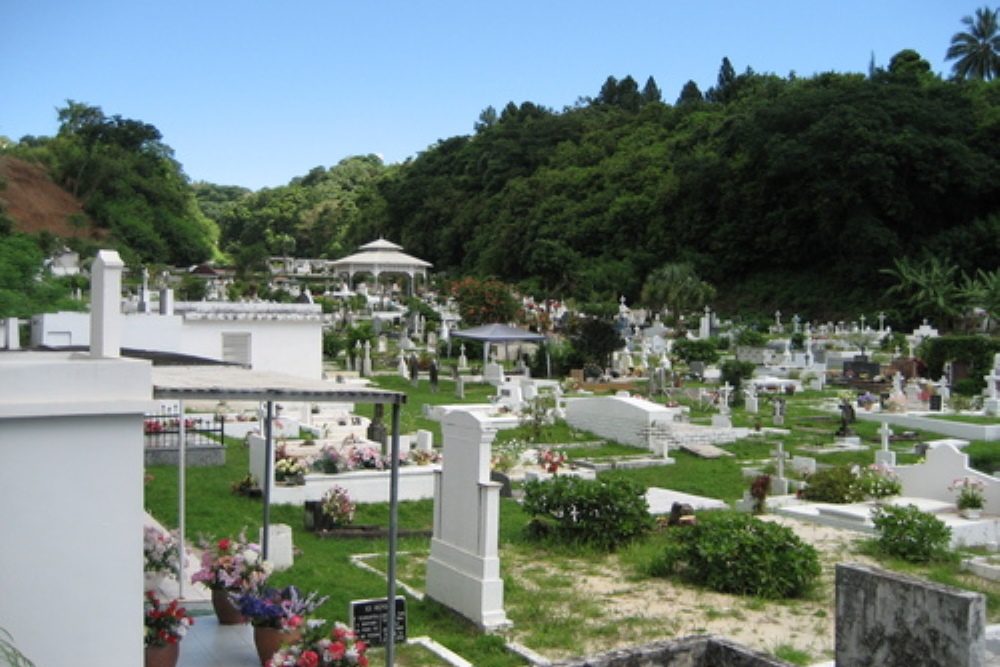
column 909, row 534
column 832, row 485
column 748, row 337
column 696, row 350
column 738, row 553
column 605, row 513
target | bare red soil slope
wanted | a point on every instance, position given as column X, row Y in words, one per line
column 37, row 204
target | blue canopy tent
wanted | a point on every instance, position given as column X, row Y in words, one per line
column 498, row 333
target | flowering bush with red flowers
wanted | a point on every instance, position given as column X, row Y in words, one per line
column 165, row 624
column 322, row 646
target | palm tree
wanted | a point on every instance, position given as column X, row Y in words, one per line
column 930, row 287
column 976, row 51
column 677, row 287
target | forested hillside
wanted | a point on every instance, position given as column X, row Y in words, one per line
column 781, row 192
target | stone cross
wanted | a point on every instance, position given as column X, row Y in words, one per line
column 779, row 455
column 863, row 320
column 725, row 391
column 881, row 322
column 366, row 363
column 991, row 384
column 886, row 433
column 796, row 321
column 885, row 456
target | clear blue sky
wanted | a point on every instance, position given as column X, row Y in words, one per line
column 256, row 92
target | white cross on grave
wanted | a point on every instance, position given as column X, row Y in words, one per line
column 724, row 393
column 780, row 455
column 884, row 456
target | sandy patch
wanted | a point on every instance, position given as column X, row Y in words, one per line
column 655, row 609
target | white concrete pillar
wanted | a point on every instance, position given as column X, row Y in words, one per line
column 105, row 305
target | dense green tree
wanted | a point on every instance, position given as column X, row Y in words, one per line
column 690, row 93
column 25, row 288
column 484, row 302
column 130, row 184
column 976, row 50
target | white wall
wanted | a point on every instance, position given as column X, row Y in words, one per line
column 623, row 419
column 71, row 501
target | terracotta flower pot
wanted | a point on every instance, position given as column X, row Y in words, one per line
column 269, row 640
column 162, row 656
column 225, row 610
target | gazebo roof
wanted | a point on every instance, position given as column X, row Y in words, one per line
column 380, row 256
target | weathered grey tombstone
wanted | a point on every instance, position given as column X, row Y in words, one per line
column 414, row 370
column 751, row 402
column 887, row 619
column 434, row 376
column 778, row 411
column 779, row 483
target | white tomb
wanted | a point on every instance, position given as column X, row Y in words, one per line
column 463, row 571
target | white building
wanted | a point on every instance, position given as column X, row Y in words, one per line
column 276, row 337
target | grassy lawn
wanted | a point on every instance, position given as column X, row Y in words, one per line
column 325, row 564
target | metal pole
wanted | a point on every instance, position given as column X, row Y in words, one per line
column 181, row 498
column 268, row 476
column 390, row 645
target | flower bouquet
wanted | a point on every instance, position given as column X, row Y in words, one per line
column 280, row 608
column 338, row 509
column 970, row 493
column 231, row 565
column 161, row 550
column 551, row 460
column 290, row 469
column 164, row 624
column 322, row 646
column 867, row 400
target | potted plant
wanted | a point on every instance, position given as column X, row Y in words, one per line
column 162, row 555
column 337, row 508
column 277, row 616
column 971, row 496
column 867, row 401
column 291, row 470
column 166, row 625
column 323, row 646
column 230, row 566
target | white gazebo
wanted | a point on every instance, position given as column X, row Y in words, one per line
column 380, row 257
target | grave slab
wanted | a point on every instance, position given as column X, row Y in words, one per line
column 662, row 500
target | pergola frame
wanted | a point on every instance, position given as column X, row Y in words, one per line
column 222, row 383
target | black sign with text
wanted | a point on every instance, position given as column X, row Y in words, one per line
column 368, row 620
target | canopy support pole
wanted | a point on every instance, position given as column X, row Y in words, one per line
column 390, row 621
column 265, row 540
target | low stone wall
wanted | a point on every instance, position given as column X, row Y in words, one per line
column 700, row 651
column 886, row 619
column 194, row 457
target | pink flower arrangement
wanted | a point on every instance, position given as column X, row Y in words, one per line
column 320, row 647
column 970, row 493
column 232, row 565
